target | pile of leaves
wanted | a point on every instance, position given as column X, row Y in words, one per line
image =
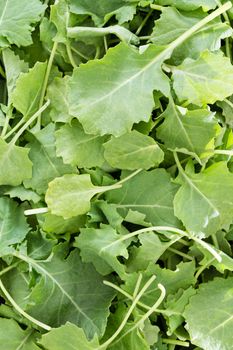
column 116, row 175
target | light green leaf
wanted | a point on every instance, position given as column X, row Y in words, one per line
column 209, row 197
column 104, row 93
column 214, row 299
column 16, row 164
column 133, row 151
column 23, row 194
column 59, row 15
column 205, row 80
column 27, row 93
column 46, row 165
column 188, row 130
column 102, row 249
column 67, row 337
column 54, row 223
column 57, row 94
column 102, row 10
column 83, row 33
column 13, row 225
column 172, row 24
column 189, row 5
column 13, row 67
column 150, row 193
column 14, row 337
column 70, row 291
column 77, row 148
column 16, row 19
column 227, row 110
column 70, row 195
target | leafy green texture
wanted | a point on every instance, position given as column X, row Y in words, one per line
column 81, row 149
column 132, row 151
column 61, row 293
column 13, row 337
column 150, row 193
column 13, row 226
column 216, row 330
column 205, row 80
column 209, row 196
column 16, row 164
column 16, row 20
column 187, row 130
column 102, row 10
column 110, row 104
column 68, row 336
column 26, row 96
column 173, row 23
column 70, row 195
column 46, row 165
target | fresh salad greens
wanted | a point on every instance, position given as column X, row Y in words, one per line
column 116, row 175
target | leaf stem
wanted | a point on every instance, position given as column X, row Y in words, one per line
column 70, row 55
column 124, row 321
column 31, row 120
column 21, row 311
column 176, row 342
column 202, row 268
column 46, row 79
column 16, row 127
column 129, row 177
column 175, row 251
column 36, row 211
column 144, row 22
column 6, row 123
column 147, row 314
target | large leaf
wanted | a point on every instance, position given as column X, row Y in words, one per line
column 14, row 337
column 16, row 19
column 150, row 193
column 133, row 151
column 204, row 202
column 104, row 93
column 188, row 130
column 102, row 10
column 205, row 80
column 26, row 96
column 77, row 148
column 13, row 225
column 70, row 195
column 209, row 315
column 67, row 337
column 172, row 24
column 70, row 291
column 189, row 5
column 16, row 164
column 46, row 165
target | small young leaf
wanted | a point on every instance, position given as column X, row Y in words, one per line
column 133, row 151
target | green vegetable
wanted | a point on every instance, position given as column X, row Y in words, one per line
column 116, row 183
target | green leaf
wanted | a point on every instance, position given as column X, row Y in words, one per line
column 23, row 194
column 205, row 80
column 61, row 294
column 208, row 195
column 80, row 149
column 16, row 164
column 102, row 10
column 133, row 151
column 13, row 225
column 13, row 67
column 57, row 94
column 70, row 195
column 59, row 15
column 14, row 337
column 150, row 193
column 46, row 165
column 16, row 20
column 172, row 24
column 111, row 105
column 215, row 300
column 54, row 223
column 187, row 130
column 189, row 5
column 67, row 337
column 102, row 249
column 27, row 93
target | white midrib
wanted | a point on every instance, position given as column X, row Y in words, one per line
column 221, row 324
